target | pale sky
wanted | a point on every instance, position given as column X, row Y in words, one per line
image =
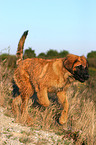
column 53, row 24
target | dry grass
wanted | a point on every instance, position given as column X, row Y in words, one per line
column 92, row 62
column 82, row 118
column 5, row 84
column 81, row 125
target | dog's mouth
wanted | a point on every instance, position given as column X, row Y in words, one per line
column 81, row 73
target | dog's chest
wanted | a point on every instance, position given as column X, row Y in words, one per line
column 56, row 84
column 60, row 83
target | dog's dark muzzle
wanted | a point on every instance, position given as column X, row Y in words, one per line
column 81, row 73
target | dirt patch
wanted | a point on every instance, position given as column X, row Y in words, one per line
column 16, row 134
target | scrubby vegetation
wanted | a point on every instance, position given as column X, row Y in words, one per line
column 10, row 59
column 81, row 125
column 92, row 59
column 29, row 53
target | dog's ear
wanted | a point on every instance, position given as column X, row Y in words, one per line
column 69, row 62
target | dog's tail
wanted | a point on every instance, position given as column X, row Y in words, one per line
column 19, row 53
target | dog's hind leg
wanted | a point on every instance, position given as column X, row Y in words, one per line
column 15, row 107
column 62, row 99
column 26, row 91
column 26, row 94
column 43, row 97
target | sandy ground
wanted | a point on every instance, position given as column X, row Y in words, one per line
column 15, row 134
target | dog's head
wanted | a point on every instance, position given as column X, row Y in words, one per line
column 78, row 66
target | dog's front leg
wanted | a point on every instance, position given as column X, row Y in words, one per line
column 62, row 99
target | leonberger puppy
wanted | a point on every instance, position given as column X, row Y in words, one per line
column 43, row 76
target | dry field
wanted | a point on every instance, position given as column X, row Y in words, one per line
column 80, row 128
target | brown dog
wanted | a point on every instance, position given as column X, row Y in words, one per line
column 43, row 76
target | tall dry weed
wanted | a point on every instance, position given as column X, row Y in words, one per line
column 82, row 116
column 5, row 83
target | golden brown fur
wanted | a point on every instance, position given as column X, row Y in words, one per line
column 43, row 76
